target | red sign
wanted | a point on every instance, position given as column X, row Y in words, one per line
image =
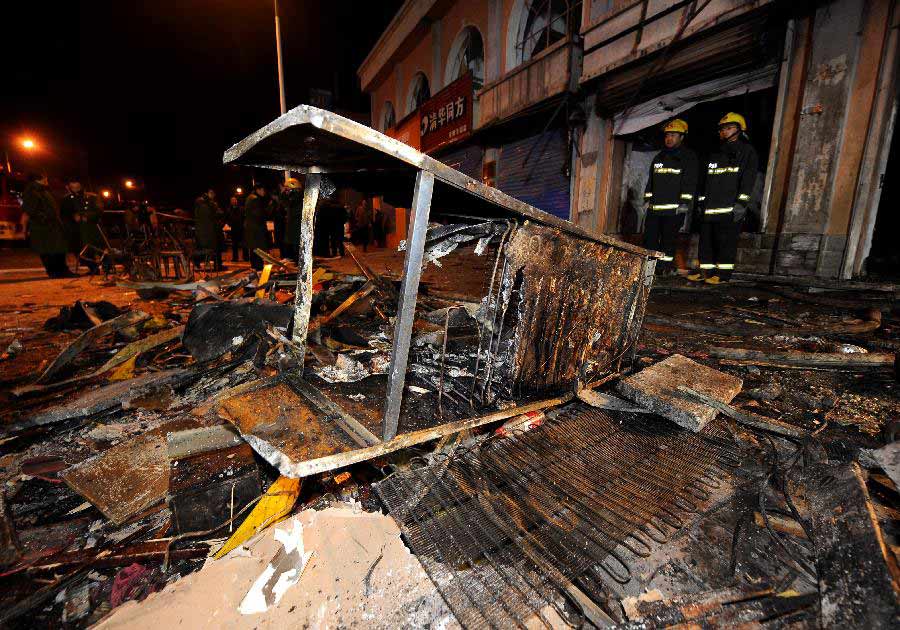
column 447, row 116
column 407, row 130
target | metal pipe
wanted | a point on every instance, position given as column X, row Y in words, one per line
column 406, row 309
column 281, row 99
column 303, row 299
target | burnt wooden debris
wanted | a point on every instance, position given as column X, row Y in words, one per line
column 551, row 453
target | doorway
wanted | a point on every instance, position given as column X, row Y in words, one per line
column 883, row 262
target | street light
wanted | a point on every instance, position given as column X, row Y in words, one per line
column 28, row 143
column 129, row 183
column 105, row 194
column 239, row 190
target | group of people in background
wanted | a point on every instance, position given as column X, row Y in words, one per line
column 247, row 219
column 60, row 228
column 721, row 201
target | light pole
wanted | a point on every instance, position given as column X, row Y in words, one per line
column 281, row 97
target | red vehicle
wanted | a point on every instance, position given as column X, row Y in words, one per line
column 10, row 210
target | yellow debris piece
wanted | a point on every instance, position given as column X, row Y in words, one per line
column 264, row 278
column 276, row 504
column 124, row 371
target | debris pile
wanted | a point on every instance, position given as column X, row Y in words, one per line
column 248, row 449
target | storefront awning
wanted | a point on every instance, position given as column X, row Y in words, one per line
column 659, row 109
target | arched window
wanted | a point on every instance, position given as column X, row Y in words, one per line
column 388, row 117
column 419, row 92
column 535, row 25
column 466, row 55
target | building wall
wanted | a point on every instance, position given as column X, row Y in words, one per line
column 828, row 93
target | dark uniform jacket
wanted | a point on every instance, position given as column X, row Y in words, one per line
column 43, row 220
column 672, row 181
column 730, row 176
column 256, row 213
column 207, row 223
column 84, row 210
column 292, row 200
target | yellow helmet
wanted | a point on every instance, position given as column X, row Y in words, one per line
column 292, row 182
column 736, row 119
column 677, row 125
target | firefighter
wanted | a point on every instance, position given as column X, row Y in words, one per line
column 730, row 176
column 208, row 227
column 669, row 196
column 292, row 200
column 84, row 211
column 256, row 233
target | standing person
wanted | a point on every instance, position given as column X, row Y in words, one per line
column 46, row 228
column 730, row 176
column 293, row 206
column 279, row 216
column 85, row 212
column 669, row 195
column 336, row 235
column 379, row 226
column 256, row 234
column 362, row 224
column 235, row 218
column 208, row 227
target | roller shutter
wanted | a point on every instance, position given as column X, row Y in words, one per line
column 534, row 168
column 466, row 160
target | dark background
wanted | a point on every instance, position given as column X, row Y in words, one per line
column 157, row 90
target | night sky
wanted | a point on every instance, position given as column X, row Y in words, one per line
column 157, row 90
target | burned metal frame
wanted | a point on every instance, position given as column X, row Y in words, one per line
column 314, row 141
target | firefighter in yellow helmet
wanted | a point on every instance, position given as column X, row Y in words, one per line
column 669, row 195
column 730, row 176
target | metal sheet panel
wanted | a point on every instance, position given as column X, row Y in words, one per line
column 532, row 169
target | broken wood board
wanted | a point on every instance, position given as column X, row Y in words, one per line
column 130, row 477
column 286, row 430
column 213, row 474
column 859, row 581
column 745, row 417
column 656, row 388
column 792, row 358
column 887, row 458
column 128, row 353
column 105, row 398
column 88, row 338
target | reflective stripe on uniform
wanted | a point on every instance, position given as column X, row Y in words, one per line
column 687, row 196
column 719, row 210
column 667, row 171
column 743, row 197
column 647, row 195
column 725, row 265
column 664, row 206
column 701, row 197
column 667, row 258
column 707, row 265
column 724, row 169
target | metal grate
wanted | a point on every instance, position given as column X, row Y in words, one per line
column 507, row 528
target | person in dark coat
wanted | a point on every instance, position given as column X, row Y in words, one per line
column 235, row 218
column 84, row 210
column 278, row 213
column 45, row 226
column 336, row 233
column 362, row 224
column 292, row 201
column 256, row 234
column 208, row 227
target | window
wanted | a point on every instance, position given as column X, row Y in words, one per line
column 388, row 117
column 466, row 55
column 419, row 92
column 538, row 24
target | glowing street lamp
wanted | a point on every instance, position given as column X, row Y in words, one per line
column 129, row 183
column 105, row 194
column 239, row 190
column 29, row 144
